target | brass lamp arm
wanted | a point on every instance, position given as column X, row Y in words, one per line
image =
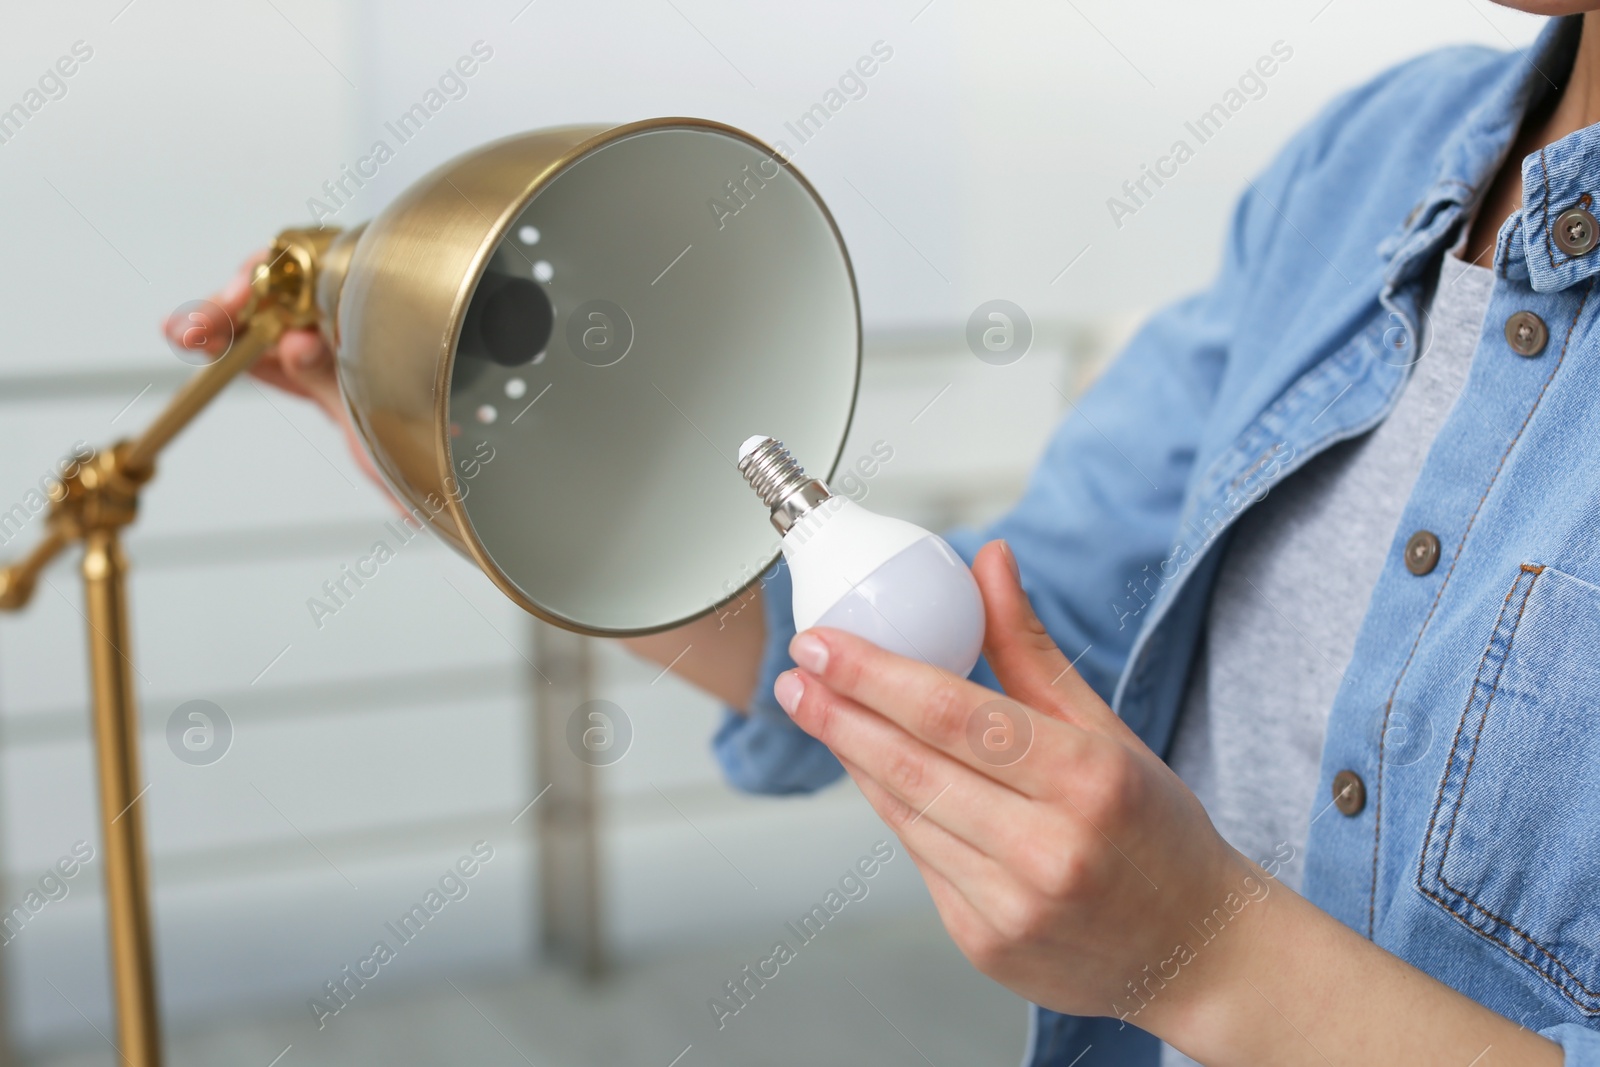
column 259, row 331
column 103, row 492
column 283, row 295
column 18, row 579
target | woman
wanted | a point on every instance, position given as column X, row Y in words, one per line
column 1324, row 541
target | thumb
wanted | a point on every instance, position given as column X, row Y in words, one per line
column 1025, row 658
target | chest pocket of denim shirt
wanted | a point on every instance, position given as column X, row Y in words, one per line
column 1511, row 847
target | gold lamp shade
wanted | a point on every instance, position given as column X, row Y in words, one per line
column 553, row 346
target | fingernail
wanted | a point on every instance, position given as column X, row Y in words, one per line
column 809, row 651
column 1011, row 558
column 788, row 689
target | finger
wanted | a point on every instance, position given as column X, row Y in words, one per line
column 984, row 813
column 206, row 328
column 971, row 882
column 961, row 918
column 1019, row 649
column 948, row 714
column 965, row 923
column 201, row 329
column 1025, row 658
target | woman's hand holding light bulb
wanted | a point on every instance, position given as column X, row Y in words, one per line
column 1073, row 873
column 1045, row 870
column 1044, row 861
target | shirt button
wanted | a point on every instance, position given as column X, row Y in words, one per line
column 1349, row 793
column 1526, row 333
column 1422, row 552
column 1575, row 231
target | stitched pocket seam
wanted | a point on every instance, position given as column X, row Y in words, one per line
column 1439, row 838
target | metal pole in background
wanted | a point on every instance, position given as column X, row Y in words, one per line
column 568, row 843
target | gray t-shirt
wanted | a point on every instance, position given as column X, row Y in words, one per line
column 1291, row 595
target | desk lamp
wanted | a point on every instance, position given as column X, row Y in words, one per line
column 606, row 311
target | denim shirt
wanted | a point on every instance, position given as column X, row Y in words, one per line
column 1471, row 708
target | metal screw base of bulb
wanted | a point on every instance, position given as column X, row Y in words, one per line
column 781, row 483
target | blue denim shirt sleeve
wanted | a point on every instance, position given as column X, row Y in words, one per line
column 1581, row 1044
column 1103, row 503
column 764, row 751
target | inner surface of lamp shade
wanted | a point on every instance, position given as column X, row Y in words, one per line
column 656, row 298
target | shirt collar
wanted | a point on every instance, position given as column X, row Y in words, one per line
column 1559, row 179
column 1553, row 179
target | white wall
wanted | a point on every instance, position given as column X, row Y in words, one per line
column 976, row 166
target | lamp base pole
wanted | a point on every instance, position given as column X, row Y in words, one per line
column 92, row 506
column 116, row 730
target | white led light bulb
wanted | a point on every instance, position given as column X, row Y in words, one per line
column 886, row 580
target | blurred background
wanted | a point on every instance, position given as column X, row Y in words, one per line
column 369, row 754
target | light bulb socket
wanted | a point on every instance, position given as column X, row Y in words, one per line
column 781, row 483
